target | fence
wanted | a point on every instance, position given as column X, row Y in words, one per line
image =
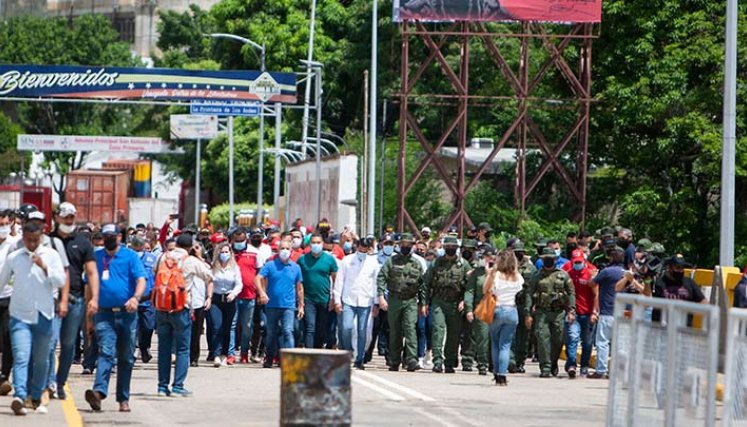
column 664, row 369
column 735, row 396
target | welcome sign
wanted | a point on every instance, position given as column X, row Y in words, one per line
column 88, row 82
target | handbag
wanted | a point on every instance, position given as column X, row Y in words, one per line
column 485, row 310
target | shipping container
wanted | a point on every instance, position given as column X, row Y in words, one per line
column 143, row 211
column 41, row 197
column 140, row 174
column 99, row 195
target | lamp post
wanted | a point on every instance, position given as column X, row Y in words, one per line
column 728, row 160
column 260, row 174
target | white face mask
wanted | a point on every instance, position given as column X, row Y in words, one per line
column 284, row 254
column 296, row 243
column 67, row 229
column 4, row 231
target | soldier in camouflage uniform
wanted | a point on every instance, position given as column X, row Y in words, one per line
column 446, row 281
column 402, row 276
column 520, row 346
column 479, row 348
column 470, row 254
column 552, row 295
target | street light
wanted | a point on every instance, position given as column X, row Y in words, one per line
column 260, row 177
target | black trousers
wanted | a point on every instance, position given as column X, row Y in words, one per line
column 6, row 363
column 198, row 319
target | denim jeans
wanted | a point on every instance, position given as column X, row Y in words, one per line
column 280, row 323
column 221, row 315
column 604, row 334
column 246, row 321
column 316, row 319
column 502, row 332
column 51, row 377
column 115, row 333
column 579, row 330
column 424, row 334
column 146, row 324
column 69, row 333
column 330, row 338
column 360, row 315
column 232, row 338
column 30, row 342
column 173, row 328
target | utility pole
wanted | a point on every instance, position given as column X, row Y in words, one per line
column 728, row 159
column 371, row 199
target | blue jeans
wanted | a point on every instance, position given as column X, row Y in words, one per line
column 330, row 339
column 361, row 315
column 424, row 334
column 69, row 333
column 232, row 338
column 115, row 333
column 173, row 328
column 604, row 334
column 502, row 332
column 51, row 378
column 30, row 342
column 146, row 324
column 246, row 320
column 280, row 323
column 316, row 319
column 221, row 314
column 580, row 330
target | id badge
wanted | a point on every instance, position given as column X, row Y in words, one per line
column 105, row 275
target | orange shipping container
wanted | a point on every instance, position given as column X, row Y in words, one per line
column 99, row 195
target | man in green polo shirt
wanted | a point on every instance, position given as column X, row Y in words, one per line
column 318, row 269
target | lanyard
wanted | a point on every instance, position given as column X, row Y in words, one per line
column 106, row 263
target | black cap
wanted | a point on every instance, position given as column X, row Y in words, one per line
column 184, row 240
column 677, row 260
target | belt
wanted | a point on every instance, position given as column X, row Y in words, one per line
column 112, row 310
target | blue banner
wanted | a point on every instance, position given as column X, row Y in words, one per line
column 89, row 82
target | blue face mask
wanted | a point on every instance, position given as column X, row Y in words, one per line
column 388, row 250
column 225, row 257
column 579, row 266
column 361, row 256
column 316, row 248
column 557, row 252
column 347, row 246
column 440, row 252
column 239, row 246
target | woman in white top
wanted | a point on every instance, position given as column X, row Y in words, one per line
column 227, row 285
column 504, row 282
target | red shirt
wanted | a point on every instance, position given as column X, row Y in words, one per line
column 581, row 282
column 296, row 254
column 337, row 252
column 247, row 262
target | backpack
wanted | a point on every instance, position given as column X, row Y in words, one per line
column 170, row 290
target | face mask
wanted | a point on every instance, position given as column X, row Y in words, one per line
column 450, row 251
column 420, row 253
column 557, row 252
column 296, row 243
column 98, row 248
column 110, row 243
column 239, row 246
column 347, row 246
column 67, row 229
column 519, row 256
column 284, row 254
column 316, row 248
column 623, row 243
column 440, row 252
column 405, row 250
column 361, row 256
column 548, row 263
column 388, row 250
column 224, row 257
column 467, row 254
column 255, row 242
column 4, row 231
column 578, row 266
column 678, row 275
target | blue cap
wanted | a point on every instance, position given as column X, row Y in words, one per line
column 110, row 229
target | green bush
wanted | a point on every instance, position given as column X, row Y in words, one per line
column 219, row 214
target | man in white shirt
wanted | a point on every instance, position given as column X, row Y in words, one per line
column 355, row 295
column 7, row 245
column 38, row 272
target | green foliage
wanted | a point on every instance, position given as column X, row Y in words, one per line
column 10, row 161
column 219, row 215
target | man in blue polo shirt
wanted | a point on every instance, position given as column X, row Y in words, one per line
column 280, row 289
column 122, row 285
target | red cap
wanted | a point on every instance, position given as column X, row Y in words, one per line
column 217, row 238
column 177, row 232
column 275, row 244
column 577, row 256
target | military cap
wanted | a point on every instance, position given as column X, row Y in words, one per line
column 541, row 243
column 644, row 245
column 518, row 246
column 488, row 250
column 449, row 240
column 469, row 243
column 387, row 238
column 657, row 248
column 484, row 226
column 606, row 231
column 676, row 260
column 406, row 238
column 548, row 252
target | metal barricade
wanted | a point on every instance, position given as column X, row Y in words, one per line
column 663, row 370
column 735, row 394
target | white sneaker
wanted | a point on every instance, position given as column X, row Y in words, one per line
column 41, row 409
column 223, row 361
column 428, row 359
column 421, row 363
column 216, row 362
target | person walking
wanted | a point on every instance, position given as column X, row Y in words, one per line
column 504, row 281
column 319, row 270
column 122, row 286
column 607, row 282
column 227, row 284
column 355, row 295
column 37, row 272
column 246, row 300
column 146, row 314
column 479, row 331
column 7, row 245
column 580, row 330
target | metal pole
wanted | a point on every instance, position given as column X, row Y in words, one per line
column 307, row 89
column 197, row 181
column 364, row 171
column 230, row 172
column 318, row 72
column 21, row 186
column 383, row 163
column 726, row 257
column 261, row 169
column 371, row 202
column 276, row 184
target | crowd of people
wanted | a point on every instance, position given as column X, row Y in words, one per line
column 100, row 292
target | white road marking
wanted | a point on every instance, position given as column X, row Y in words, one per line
column 414, row 393
column 386, row 393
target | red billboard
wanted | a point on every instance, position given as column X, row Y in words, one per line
column 562, row 11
